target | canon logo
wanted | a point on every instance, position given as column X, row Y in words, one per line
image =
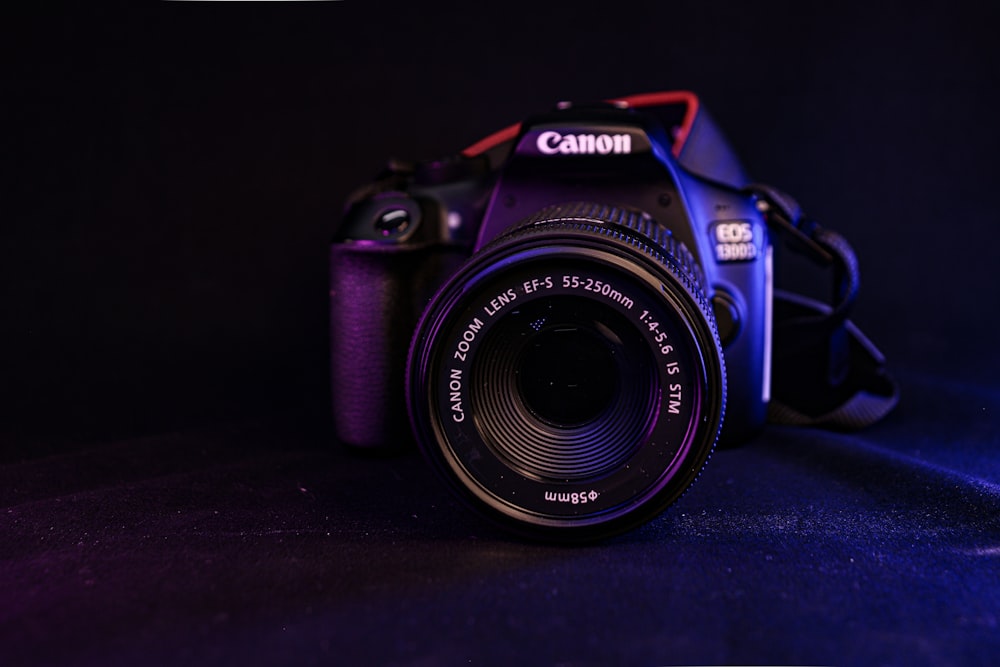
column 552, row 142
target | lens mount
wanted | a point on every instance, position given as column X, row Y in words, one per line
column 568, row 380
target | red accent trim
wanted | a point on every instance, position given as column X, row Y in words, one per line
column 492, row 141
column 669, row 97
column 636, row 101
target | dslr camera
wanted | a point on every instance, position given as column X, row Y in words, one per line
column 566, row 316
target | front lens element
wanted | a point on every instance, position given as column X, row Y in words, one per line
column 563, row 387
column 567, row 374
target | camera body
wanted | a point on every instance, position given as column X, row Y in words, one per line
column 645, row 182
column 401, row 239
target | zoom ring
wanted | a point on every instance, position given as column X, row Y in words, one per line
column 632, row 227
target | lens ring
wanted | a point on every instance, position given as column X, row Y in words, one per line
column 546, row 484
column 552, row 449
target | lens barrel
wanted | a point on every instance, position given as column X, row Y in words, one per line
column 568, row 381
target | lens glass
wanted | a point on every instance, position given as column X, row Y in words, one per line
column 563, row 387
column 567, row 374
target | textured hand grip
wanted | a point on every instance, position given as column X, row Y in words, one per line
column 376, row 295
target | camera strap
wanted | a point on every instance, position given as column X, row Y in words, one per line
column 825, row 372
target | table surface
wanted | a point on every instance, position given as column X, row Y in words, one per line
column 264, row 542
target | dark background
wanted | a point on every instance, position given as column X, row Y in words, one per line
column 176, row 171
column 171, row 176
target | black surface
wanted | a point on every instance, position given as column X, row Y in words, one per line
column 255, row 542
column 171, row 492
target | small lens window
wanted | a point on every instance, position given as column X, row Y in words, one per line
column 568, row 375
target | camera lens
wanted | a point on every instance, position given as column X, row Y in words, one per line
column 567, row 381
column 564, row 388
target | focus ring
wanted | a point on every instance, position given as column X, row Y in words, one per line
column 633, row 227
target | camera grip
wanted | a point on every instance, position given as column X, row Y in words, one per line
column 376, row 296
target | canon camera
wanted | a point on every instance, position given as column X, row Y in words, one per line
column 566, row 317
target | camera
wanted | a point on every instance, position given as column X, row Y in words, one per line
column 566, row 317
